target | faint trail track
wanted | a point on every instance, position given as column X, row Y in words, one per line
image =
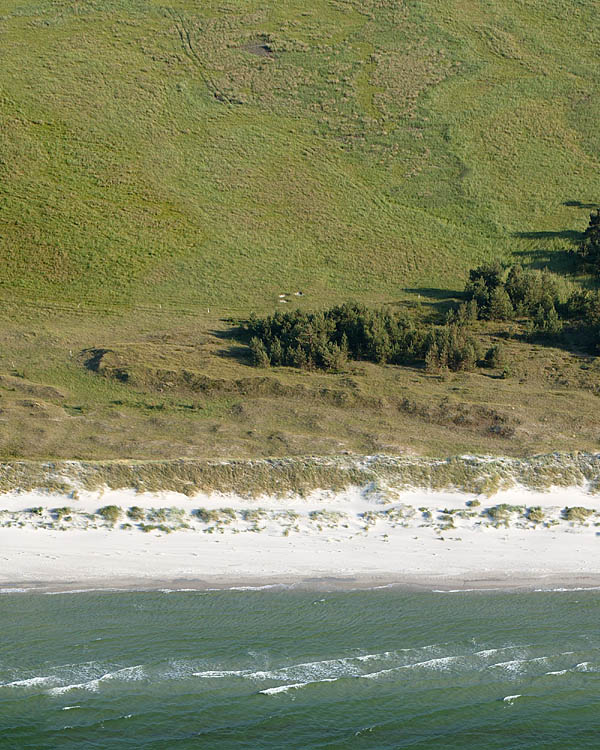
column 190, row 51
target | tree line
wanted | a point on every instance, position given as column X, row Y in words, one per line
column 544, row 299
column 327, row 340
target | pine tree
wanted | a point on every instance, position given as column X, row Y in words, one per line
column 500, row 307
column 589, row 248
column 277, row 357
column 260, row 358
column 432, row 358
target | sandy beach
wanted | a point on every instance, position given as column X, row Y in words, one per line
column 355, row 538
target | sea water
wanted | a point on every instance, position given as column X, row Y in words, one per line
column 282, row 668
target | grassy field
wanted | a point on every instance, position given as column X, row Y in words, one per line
column 165, row 168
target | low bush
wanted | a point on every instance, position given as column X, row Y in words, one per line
column 61, row 513
column 110, row 513
column 535, row 514
column 495, row 356
column 577, row 513
column 220, row 515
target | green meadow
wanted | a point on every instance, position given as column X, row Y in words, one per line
column 168, row 169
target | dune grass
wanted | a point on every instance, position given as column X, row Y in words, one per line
column 380, row 477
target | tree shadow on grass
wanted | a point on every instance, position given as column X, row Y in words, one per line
column 436, row 294
column 571, row 235
column 557, row 261
column 235, row 332
column 439, row 301
column 580, row 340
column 579, row 204
column 241, row 354
column 238, row 340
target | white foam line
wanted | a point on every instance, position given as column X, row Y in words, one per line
column 94, row 685
column 430, row 663
column 249, row 588
column 566, row 590
column 459, row 591
column 83, row 591
column 346, row 664
column 514, row 664
column 294, row 686
column 31, row 682
column 585, row 666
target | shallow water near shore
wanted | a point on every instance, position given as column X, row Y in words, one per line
column 281, row 668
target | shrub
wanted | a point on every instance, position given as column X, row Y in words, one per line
column 589, row 247
column 158, row 514
column 489, row 273
column 451, row 347
column 502, row 512
column 221, row 515
column 326, row 340
column 110, row 513
column 495, row 356
column 583, row 304
column 529, row 290
column 500, row 306
column 260, row 358
column 535, row 514
column 61, row 513
column 546, row 321
column 465, row 314
column 136, row 513
column 577, row 513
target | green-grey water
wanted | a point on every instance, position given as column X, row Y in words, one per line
column 294, row 669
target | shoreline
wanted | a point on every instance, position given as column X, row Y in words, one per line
column 358, row 538
column 325, row 584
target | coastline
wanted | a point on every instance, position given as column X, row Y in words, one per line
column 358, row 538
column 327, row 584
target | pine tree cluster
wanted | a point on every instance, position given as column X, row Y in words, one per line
column 327, row 340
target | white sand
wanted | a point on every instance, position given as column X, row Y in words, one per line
column 409, row 551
